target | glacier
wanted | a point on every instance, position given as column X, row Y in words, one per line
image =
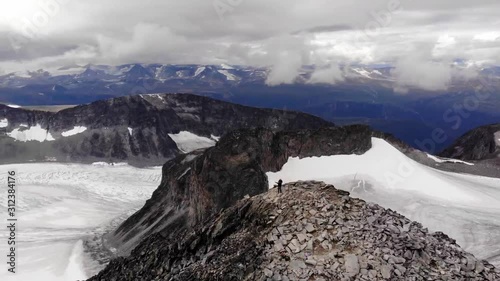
column 59, row 206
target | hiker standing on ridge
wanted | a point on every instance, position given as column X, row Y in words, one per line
column 280, row 182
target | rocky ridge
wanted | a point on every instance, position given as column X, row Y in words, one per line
column 198, row 185
column 482, row 143
column 135, row 129
column 310, row 232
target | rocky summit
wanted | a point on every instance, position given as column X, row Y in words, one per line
column 311, row 231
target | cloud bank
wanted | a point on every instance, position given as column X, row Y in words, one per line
column 281, row 34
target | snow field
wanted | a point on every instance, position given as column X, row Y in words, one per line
column 466, row 207
column 59, row 205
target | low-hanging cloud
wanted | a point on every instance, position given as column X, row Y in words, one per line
column 331, row 74
column 287, row 54
column 412, row 72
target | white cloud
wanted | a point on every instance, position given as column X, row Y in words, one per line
column 443, row 45
column 488, row 36
column 285, row 69
column 328, row 75
column 416, row 72
column 286, row 54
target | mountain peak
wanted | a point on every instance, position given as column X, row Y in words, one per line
column 482, row 143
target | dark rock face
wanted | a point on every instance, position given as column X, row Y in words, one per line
column 482, row 143
column 136, row 128
column 198, row 185
column 310, row 232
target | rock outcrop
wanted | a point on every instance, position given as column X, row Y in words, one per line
column 310, row 232
column 198, row 185
column 482, row 143
column 134, row 129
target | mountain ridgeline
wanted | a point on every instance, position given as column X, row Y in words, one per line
column 482, row 143
column 198, row 185
column 213, row 217
column 142, row 129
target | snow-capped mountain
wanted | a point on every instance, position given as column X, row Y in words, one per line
column 123, row 79
column 138, row 129
column 88, row 83
column 221, row 75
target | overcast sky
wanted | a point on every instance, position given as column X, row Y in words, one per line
column 280, row 33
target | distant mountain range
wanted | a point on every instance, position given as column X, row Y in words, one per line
column 82, row 84
column 365, row 96
column 114, row 77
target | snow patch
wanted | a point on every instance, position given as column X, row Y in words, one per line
column 76, row 130
column 215, row 138
column 188, row 158
column 225, row 66
column 363, row 72
column 199, row 70
column 14, row 106
column 130, row 130
column 158, row 96
column 448, row 160
column 4, row 123
column 497, row 138
column 112, row 164
column 183, row 174
column 187, row 141
column 228, row 75
column 34, row 133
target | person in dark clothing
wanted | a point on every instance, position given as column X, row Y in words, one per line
column 280, row 182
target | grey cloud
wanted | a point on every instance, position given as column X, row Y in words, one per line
column 282, row 34
column 327, row 75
